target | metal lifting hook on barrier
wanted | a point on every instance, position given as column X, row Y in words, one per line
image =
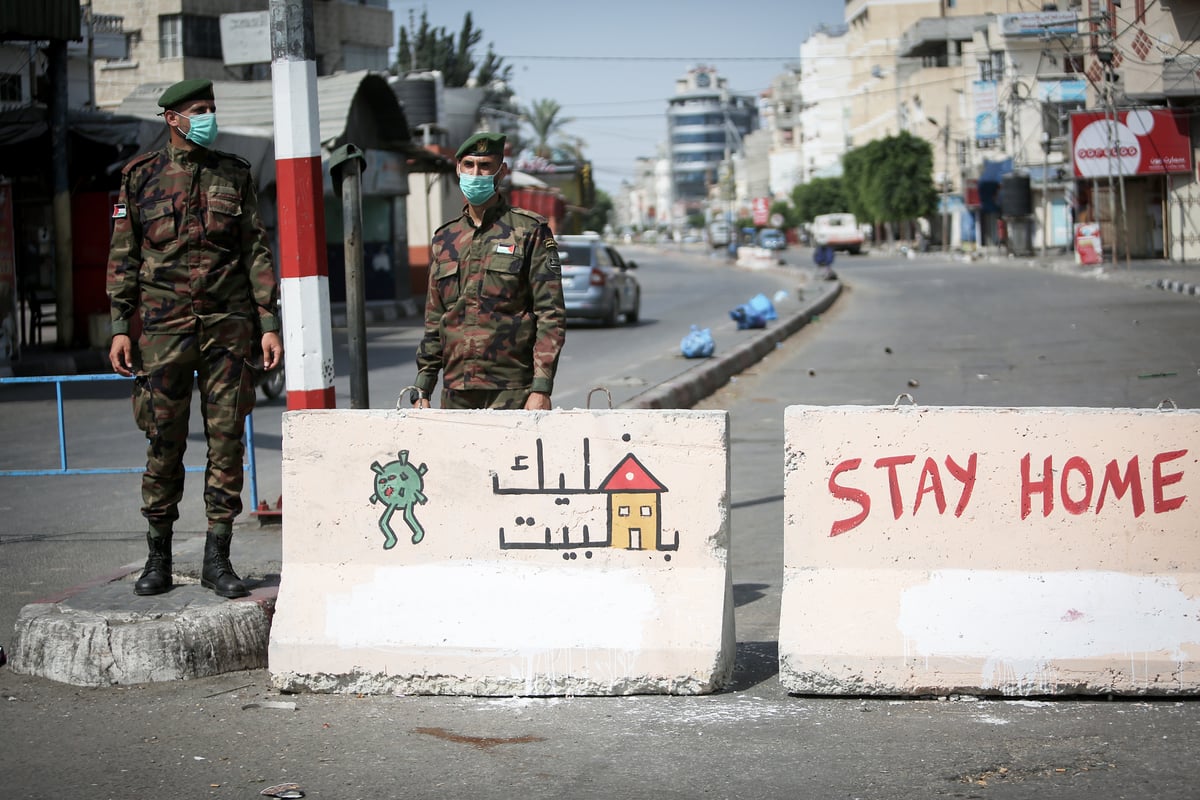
column 63, row 469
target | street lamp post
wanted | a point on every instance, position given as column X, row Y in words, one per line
column 944, row 130
column 1045, row 190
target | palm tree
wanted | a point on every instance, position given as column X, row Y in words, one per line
column 572, row 147
column 543, row 117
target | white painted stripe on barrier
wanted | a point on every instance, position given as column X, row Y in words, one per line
column 308, row 344
column 505, row 552
column 532, row 610
column 297, row 116
column 1009, row 551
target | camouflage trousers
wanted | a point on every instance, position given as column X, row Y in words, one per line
column 484, row 398
column 217, row 355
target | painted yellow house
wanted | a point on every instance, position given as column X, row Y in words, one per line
column 634, row 506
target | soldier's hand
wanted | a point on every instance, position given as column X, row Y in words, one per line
column 537, row 401
column 272, row 350
column 120, row 355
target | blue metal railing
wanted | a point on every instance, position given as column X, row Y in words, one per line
column 63, row 469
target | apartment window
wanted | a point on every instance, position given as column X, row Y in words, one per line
column 993, row 68
column 170, row 36
column 189, row 36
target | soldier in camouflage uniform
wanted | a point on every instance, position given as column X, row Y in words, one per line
column 494, row 317
column 190, row 267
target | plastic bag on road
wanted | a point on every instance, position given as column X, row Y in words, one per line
column 747, row 316
column 698, row 343
column 763, row 306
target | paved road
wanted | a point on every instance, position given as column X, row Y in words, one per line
column 974, row 334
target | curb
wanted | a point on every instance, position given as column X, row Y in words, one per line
column 702, row 380
column 1177, row 286
column 100, row 634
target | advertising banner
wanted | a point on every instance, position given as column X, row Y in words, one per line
column 762, row 210
column 987, row 111
column 1139, row 142
column 1088, row 247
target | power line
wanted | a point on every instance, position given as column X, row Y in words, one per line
column 700, row 60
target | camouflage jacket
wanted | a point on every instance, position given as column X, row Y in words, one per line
column 188, row 244
column 494, row 316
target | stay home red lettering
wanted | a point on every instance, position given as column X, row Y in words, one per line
column 929, row 484
column 1076, row 485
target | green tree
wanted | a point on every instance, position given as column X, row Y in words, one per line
column 428, row 48
column 785, row 210
column 890, row 181
column 543, row 117
column 818, row 196
column 596, row 218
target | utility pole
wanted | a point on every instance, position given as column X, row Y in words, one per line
column 946, row 183
column 1110, row 117
column 1045, row 188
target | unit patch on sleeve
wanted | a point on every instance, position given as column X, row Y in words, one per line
column 119, row 211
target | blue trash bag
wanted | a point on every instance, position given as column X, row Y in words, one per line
column 747, row 316
column 763, row 306
column 698, row 343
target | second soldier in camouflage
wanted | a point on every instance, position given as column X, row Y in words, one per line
column 495, row 322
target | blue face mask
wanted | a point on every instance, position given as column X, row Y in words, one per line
column 478, row 189
column 202, row 129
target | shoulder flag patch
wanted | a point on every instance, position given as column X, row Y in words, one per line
column 506, row 249
column 119, row 211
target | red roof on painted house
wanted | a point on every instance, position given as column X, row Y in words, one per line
column 631, row 476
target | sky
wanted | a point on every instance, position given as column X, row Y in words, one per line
column 613, row 65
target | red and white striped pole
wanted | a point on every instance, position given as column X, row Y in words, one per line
column 303, row 268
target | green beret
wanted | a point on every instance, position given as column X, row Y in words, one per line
column 483, row 144
column 195, row 89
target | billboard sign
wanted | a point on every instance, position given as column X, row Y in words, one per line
column 246, row 38
column 1044, row 23
column 1139, row 142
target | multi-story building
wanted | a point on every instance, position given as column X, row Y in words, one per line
column 781, row 109
column 1039, row 119
column 824, row 124
column 173, row 40
column 1140, row 62
column 705, row 126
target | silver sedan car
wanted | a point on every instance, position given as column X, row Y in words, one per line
column 597, row 283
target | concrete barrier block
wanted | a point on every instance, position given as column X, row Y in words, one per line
column 991, row 551
column 505, row 553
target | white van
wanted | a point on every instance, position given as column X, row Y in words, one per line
column 839, row 231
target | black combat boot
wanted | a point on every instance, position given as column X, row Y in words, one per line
column 217, row 573
column 156, row 577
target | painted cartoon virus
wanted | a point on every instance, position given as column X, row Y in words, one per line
column 398, row 484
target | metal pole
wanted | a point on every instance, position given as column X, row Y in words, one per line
column 356, row 323
column 1045, row 191
column 946, row 183
column 303, row 267
column 64, row 277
